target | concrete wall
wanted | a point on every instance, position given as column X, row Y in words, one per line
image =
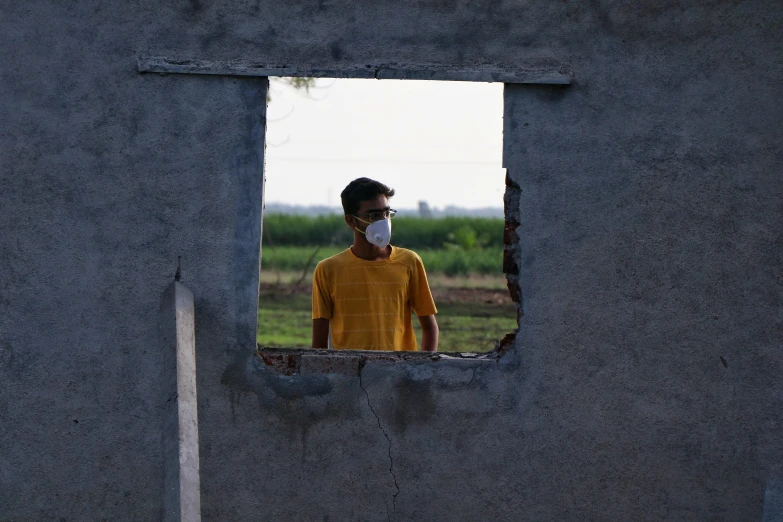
column 644, row 382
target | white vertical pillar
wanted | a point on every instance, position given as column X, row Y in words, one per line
column 181, row 496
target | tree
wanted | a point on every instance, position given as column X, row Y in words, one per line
column 297, row 82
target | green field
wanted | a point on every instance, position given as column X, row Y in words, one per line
column 417, row 233
column 470, row 319
column 449, row 261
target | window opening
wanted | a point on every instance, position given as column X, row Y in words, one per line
column 438, row 144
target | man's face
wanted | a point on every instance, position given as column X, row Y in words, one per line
column 369, row 210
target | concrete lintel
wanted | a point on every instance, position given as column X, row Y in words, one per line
column 550, row 75
column 182, row 489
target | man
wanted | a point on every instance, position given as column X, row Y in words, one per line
column 365, row 294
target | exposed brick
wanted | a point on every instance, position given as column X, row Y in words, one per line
column 510, row 236
column 514, row 291
column 290, row 361
column 505, row 343
column 287, row 364
column 509, row 263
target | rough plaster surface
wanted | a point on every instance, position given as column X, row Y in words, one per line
column 644, row 383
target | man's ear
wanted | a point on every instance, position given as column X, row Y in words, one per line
column 349, row 221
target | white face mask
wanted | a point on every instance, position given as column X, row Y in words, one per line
column 378, row 233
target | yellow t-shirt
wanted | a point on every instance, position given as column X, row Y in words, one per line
column 368, row 303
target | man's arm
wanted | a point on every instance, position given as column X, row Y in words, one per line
column 429, row 333
column 420, row 299
column 321, row 333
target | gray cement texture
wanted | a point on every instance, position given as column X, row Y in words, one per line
column 643, row 383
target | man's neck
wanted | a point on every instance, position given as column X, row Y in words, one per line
column 363, row 249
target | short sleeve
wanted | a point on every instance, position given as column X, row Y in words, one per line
column 322, row 299
column 420, row 297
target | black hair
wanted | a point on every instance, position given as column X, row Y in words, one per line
column 362, row 189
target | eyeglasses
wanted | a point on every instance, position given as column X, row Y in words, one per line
column 378, row 215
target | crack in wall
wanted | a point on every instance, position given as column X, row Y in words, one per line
column 385, row 434
column 473, row 376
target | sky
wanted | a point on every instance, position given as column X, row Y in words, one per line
column 440, row 142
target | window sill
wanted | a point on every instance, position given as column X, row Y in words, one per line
column 290, row 361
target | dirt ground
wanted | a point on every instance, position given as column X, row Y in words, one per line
column 471, row 295
column 440, row 294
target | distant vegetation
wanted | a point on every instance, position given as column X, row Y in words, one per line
column 451, row 262
column 450, row 245
column 451, row 233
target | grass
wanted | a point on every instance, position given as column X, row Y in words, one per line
column 285, row 321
